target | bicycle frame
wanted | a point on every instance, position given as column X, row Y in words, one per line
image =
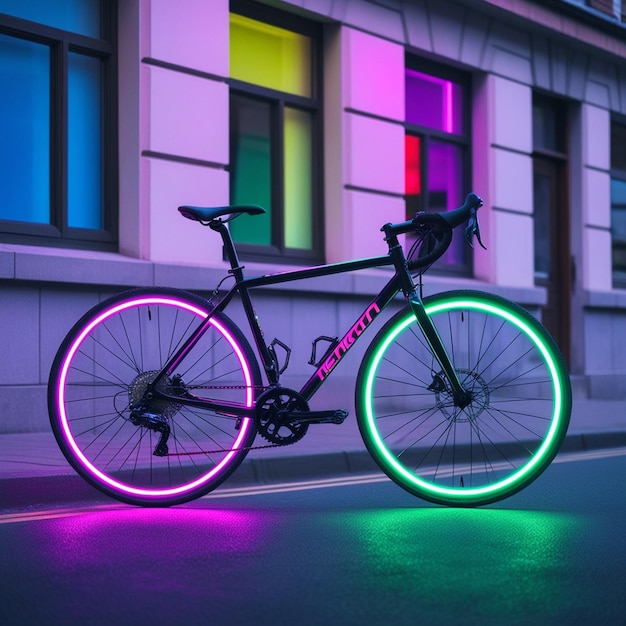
column 115, row 403
column 401, row 281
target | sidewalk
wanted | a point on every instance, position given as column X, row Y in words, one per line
column 33, row 471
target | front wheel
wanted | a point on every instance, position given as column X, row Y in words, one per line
column 151, row 451
column 492, row 448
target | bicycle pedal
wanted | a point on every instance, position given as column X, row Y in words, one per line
column 336, row 416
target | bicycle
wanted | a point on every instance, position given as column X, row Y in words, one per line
column 462, row 398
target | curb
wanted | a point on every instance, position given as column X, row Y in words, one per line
column 24, row 491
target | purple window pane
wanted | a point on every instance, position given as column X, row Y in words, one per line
column 433, row 102
column 445, row 188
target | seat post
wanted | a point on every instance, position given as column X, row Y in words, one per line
column 229, row 247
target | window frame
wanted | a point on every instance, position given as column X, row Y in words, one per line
column 426, row 134
column 619, row 277
column 278, row 101
column 57, row 233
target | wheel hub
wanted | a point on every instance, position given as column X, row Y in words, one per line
column 139, row 386
column 477, row 389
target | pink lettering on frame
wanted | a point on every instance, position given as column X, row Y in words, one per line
column 348, row 340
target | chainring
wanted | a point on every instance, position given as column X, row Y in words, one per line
column 273, row 407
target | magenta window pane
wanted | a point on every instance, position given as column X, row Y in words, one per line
column 445, row 187
column 433, row 102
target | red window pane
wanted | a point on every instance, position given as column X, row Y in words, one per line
column 412, row 173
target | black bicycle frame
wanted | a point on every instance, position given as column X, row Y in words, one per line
column 401, row 281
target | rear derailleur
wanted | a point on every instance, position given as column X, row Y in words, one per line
column 148, row 411
column 139, row 416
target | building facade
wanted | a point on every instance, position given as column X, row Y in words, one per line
column 337, row 116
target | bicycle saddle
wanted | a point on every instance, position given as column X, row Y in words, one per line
column 208, row 214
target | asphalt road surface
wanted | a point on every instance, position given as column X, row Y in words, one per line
column 355, row 550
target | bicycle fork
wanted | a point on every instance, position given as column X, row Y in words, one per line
column 462, row 397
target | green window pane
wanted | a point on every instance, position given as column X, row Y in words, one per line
column 298, row 183
column 24, row 130
column 269, row 56
column 251, row 168
column 84, row 188
column 77, row 16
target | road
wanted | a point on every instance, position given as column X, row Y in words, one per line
column 356, row 550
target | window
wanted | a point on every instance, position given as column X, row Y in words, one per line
column 275, row 133
column 549, row 159
column 613, row 8
column 436, row 148
column 618, row 201
column 57, row 123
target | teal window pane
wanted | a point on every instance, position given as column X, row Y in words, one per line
column 618, row 225
column 77, row 16
column 24, row 130
column 84, row 186
column 250, row 174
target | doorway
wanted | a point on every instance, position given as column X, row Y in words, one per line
column 552, row 249
column 553, row 265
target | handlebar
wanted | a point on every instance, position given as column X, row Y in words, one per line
column 434, row 230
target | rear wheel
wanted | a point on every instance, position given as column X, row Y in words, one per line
column 508, row 434
column 151, row 452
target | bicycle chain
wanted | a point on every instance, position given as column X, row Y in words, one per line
column 269, row 445
column 248, row 448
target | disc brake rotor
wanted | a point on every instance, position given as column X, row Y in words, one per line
column 479, row 390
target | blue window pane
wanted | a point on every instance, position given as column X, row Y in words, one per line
column 77, row 16
column 84, row 185
column 24, row 130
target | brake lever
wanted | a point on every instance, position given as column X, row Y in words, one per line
column 473, row 230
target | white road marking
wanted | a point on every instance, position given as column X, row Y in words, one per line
column 363, row 479
column 256, row 490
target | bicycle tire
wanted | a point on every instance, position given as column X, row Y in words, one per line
column 503, row 440
column 103, row 367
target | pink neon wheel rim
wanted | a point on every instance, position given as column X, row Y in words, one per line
column 69, row 438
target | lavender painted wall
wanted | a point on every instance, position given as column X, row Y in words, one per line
column 173, row 137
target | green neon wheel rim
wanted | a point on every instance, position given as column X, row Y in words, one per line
column 512, row 316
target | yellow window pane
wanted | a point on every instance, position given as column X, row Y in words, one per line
column 269, row 56
column 298, row 183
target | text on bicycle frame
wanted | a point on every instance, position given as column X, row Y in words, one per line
column 346, row 343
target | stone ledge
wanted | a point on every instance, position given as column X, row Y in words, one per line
column 107, row 269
